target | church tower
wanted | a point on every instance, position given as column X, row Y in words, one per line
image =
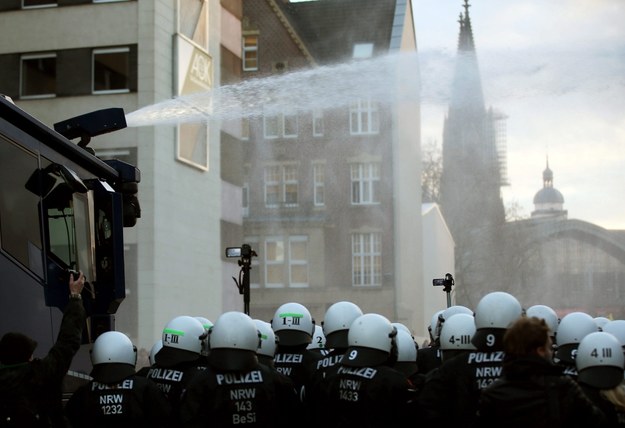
column 471, row 179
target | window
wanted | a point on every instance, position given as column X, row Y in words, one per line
column 286, row 261
column 111, row 70
column 317, row 121
column 364, row 118
column 280, row 125
column 27, row 4
column 274, row 262
column 38, row 76
column 20, row 233
column 365, row 179
column 289, row 125
column 245, row 201
column 362, row 50
column 366, row 259
column 298, row 261
column 319, row 171
column 271, row 126
column 250, row 52
column 245, row 128
column 281, row 185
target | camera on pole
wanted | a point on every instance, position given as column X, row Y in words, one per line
column 245, row 252
column 447, row 283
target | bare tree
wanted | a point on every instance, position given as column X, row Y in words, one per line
column 432, row 162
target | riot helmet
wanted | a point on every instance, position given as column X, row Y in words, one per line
column 268, row 339
column 406, row 352
column 457, row 332
column 155, row 348
column 546, row 313
column 336, row 322
column 318, row 340
column 371, row 341
column 600, row 360
column 293, row 324
column 233, row 341
column 432, row 328
column 113, row 357
column 573, row 327
column 601, row 321
column 617, row 328
column 494, row 313
column 183, row 340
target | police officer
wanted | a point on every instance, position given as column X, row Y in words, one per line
column 363, row 390
column 318, row 343
column 532, row 390
column 430, row 356
column 117, row 396
column 336, row 322
column 573, row 327
column 30, row 389
column 450, row 394
column 235, row 389
column 600, row 363
column 180, row 358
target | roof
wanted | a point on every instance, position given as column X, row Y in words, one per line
column 323, row 26
column 548, row 195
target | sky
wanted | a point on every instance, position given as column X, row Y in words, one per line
column 556, row 69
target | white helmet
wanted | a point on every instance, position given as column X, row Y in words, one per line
column 371, row 341
column 268, row 339
column 233, row 341
column 457, row 332
column 113, row 357
column 155, row 348
column 234, row 330
column 205, row 322
column 494, row 313
column 113, row 347
column 600, row 360
column 293, row 324
column 406, row 353
column 546, row 313
column 601, row 321
column 336, row 321
column 447, row 313
column 406, row 347
column 318, row 340
column 208, row 324
column 434, row 324
column 184, row 338
column 400, row 326
column 573, row 327
column 617, row 328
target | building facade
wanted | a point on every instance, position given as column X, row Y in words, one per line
column 64, row 58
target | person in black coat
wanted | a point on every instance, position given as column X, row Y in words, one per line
column 117, row 396
column 30, row 389
column 235, row 389
column 532, row 390
column 600, row 364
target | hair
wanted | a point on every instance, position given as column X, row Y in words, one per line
column 525, row 336
column 616, row 396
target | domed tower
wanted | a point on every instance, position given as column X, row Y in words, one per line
column 548, row 201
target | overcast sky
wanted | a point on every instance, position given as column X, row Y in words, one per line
column 556, row 68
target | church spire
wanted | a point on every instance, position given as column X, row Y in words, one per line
column 465, row 38
column 467, row 85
